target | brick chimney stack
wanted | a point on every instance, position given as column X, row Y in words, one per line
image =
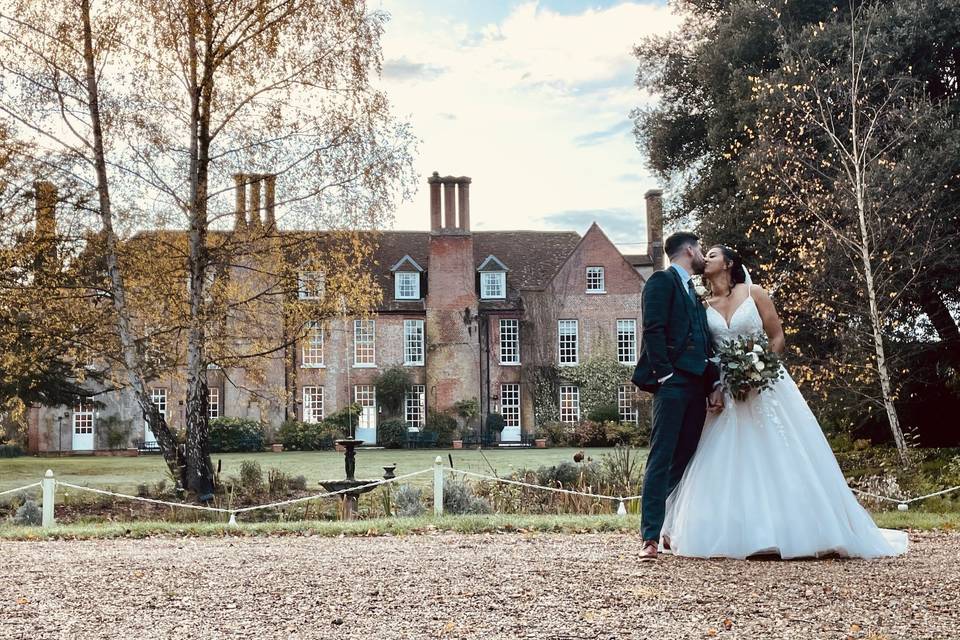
column 271, row 200
column 456, row 204
column 452, row 371
column 248, row 210
column 45, row 225
column 654, row 198
column 254, row 219
column 240, row 211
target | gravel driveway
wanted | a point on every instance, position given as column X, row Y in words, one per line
column 463, row 586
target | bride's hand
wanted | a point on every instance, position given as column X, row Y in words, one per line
column 715, row 401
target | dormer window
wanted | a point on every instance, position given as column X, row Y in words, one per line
column 310, row 285
column 406, row 285
column 493, row 284
column 406, row 279
column 493, row 279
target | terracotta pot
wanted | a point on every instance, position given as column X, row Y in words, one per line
column 276, row 447
column 540, row 443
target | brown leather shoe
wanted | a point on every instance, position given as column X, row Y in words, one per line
column 648, row 552
column 666, row 543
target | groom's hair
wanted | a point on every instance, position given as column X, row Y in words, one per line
column 675, row 242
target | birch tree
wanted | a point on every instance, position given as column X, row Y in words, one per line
column 837, row 171
column 158, row 104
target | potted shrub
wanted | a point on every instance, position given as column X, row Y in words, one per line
column 495, row 424
column 539, row 438
column 467, row 410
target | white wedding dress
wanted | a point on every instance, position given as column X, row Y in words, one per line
column 765, row 481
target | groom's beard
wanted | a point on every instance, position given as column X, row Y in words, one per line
column 698, row 267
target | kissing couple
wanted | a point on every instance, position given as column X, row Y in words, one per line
column 733, row 475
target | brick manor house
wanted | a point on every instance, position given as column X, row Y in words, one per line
column 467, row 312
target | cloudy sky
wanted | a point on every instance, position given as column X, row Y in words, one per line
column 531, row 99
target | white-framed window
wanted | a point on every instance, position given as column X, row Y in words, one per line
column 509, row 341
column 158, row 396
column 595, row 280
column 213, row 402
column 310, row 285
column 83, row 418
column 568, row 340
column 493, row 284
column 569, row 403
column 312, row 404
column 627, row 341
column 406, row 285
column 626, row 403
column 510, row 404
column 312, row 351
column 413, row 343
column 415, row 406
column 364, row 343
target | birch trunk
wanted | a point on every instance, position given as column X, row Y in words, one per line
column 200, row 475
column 131, row 357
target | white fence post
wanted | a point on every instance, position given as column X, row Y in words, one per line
column 438, row 487
column 48, row 485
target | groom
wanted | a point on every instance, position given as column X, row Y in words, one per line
column 674, row 367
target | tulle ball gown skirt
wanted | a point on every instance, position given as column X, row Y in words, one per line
column 765, row 481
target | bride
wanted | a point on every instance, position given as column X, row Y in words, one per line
column 764, row 479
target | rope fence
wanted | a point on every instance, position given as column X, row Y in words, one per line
column 49, row 485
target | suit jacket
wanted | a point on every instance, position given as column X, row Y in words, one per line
column 671, row 340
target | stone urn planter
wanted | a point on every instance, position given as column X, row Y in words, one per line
column 540, row 443
column 339, row 448
column 458, row 444
column 276, row 447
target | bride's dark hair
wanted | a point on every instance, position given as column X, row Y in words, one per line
column 732, row 258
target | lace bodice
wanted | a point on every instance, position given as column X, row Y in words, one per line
column 745, row 320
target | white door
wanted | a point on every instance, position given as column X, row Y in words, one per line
column 83, row 427
column 510, row 410
column 148, row 437
column 158, row 395
column 366, row 397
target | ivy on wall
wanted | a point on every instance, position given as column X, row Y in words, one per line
column 598, row 378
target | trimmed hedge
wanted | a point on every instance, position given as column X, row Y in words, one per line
column 392, row 434
column 10, row 451
column 229, row 435
column 308, row 436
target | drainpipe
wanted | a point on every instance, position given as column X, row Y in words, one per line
column 483, row 417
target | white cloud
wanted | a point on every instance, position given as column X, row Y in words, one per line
column 534, row 108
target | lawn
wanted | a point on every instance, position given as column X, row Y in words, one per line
column 124, row 474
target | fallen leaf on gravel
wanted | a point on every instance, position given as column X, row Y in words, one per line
column 727, row 624
column 22, row 601
column 855, row 628
column 646, row 592
column 711, row 632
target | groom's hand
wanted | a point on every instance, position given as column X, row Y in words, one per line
column 715, row 401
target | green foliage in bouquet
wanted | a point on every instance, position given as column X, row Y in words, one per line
column 748, row 364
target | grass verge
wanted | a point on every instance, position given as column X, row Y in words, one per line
column 403, row 526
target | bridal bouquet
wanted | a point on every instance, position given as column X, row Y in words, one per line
column 747, row 363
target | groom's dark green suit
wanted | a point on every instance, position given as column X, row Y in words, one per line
column 676, row 343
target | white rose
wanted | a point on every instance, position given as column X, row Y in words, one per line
column 700, row 289
column 757, row 348
column 760, row 366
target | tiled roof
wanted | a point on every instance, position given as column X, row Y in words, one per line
column 638, row 259
column 533, row 257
